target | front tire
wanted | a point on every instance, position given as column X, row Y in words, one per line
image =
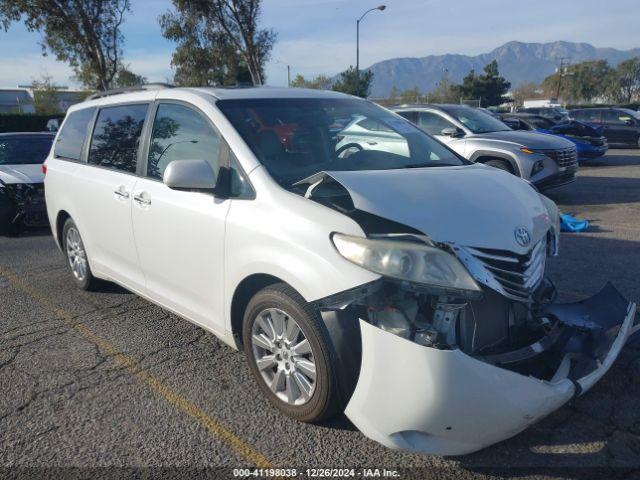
column 289, row 353
column 76, row 255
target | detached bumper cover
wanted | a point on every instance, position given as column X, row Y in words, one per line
column 445, row 402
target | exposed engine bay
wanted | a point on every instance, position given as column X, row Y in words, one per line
column 512, row 323
column 22, row 204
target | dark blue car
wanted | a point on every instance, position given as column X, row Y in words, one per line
column 588, row 139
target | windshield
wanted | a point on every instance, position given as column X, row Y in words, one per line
column 476, row 120
column 24, row 150
column 295, row 138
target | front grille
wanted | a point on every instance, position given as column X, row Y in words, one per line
column 565, row 157
column 517, row 275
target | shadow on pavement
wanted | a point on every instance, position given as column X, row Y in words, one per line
column 597, row 191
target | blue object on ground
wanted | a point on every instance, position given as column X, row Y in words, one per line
column 572, row 224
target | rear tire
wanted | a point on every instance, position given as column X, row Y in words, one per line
column 499, row 164
column 76, row 256
column 290, row 355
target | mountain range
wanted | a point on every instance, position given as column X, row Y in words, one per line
column 518, row 62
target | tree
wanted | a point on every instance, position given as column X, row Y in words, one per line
column 489, row 87
column 45, row 96
column 526, row 91
column 584, row 81
column 127, row 78
column 320, row 82
column 445, row 92
column 204, row 55
column 84, row 33
column 347, row 82
column 626, row 81
column 218, row 41
column 411, row 95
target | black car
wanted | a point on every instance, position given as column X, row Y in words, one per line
column 22, row 179
column 621, row 126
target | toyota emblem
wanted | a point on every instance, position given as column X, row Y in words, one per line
column 522, row 236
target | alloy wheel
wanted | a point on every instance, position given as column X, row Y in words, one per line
column 283, row 356
column 76, row 254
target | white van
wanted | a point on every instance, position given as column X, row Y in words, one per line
column 405, row 288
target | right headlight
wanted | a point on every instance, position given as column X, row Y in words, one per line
column 412, row 262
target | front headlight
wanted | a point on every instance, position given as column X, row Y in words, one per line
column 412, row 262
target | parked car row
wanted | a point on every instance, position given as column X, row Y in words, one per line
column 588, row 139
column 545, row 160
column 620, row 126
column 362, row 265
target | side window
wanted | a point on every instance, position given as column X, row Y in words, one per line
column 411, row 116
column 433, row 123
column 116, row 137
column 181, row 133
column 590, row 116
column 615, row 117
column 71, row 138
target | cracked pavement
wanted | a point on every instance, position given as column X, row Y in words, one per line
column 65, row 401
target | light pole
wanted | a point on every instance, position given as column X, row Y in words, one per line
column 381, row 8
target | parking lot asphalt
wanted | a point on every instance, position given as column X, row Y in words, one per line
column 106, row 379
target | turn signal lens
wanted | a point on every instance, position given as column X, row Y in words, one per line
column 526, row 150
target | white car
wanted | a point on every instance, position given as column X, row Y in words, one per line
column 406, row 290
column 21, row 180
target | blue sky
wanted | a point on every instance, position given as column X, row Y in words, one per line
column 318, row 36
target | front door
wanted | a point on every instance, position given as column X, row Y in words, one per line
column 180, row 234
column 619, row 127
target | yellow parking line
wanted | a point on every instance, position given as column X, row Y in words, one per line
column 175, row 399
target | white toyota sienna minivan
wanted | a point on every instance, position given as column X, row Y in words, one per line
column 401, row 285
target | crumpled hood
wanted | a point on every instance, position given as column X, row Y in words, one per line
column 532, row 140
column 21, row 174
column 581, row 129
column 475, row 206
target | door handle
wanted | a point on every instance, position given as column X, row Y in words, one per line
column 121, row 193
column 142, row 199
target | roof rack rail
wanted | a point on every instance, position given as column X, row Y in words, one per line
column 137, row 88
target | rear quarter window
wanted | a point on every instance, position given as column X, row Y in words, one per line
column 71, row 137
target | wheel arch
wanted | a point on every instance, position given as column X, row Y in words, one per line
column 61, row 218
column 483, row 156
column 242, row 294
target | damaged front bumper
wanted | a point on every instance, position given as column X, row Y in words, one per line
column 447, row 402
column 23, row 204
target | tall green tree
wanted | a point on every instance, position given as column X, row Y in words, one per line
column 219, row 41
column 581, row 82
column 346, row 83
column 489, row 88
column 84, row 33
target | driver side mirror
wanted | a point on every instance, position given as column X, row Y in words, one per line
column 629, row 122
column 452, row 132
column 196, row 175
